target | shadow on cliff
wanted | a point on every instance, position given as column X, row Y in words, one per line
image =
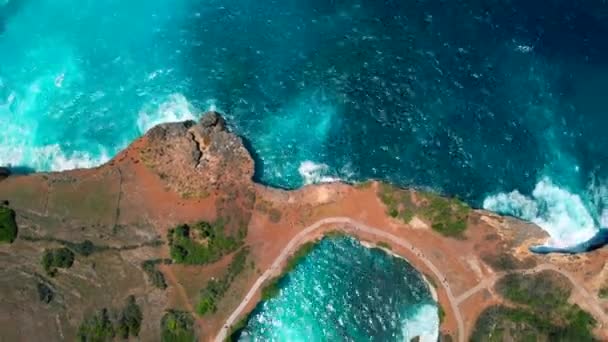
column 20, row 170
column 258, row 164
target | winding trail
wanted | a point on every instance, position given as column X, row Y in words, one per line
column 305, row 234
column 355, row 226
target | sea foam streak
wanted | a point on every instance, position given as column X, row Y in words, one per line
column 423, row 324
column 175, row 109
column 313, row 173
column 560, row 213
column 49, row 158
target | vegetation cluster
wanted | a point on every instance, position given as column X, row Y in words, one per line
column 202, row 243
column 177, row 326
column 540, row 312
column 8, row 225
column 156, row 277
column 448, row 216
column 216, row 288
column 105, row 325
column 55, row 258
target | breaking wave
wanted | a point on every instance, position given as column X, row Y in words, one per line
column 175, row 108
column 313, row 173
column 423, row 324
column 563, row 215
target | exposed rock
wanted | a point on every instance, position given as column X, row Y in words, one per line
column 198, row 158
column 213, row 120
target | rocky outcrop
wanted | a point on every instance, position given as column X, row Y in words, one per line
column 195, row 159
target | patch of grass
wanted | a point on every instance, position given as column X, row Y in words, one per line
column 52, row 259
column 384, row 245
column 334, row 234
column 271, row 289
column 274, row 215
column 441, row 313
column 546, row 292
column 8, row 225
column 156, row 277
column 266, row 207
column 364, row 185
column 202, row 243
column 177, row 326
column 398, row 202
column 448, row 216
column 603, row 293
column 522, row 324
column 542, row 311
column 216, row 288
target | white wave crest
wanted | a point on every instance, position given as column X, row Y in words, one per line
column 560, row 213
column 49, row 158
column 175, row 109
column 313, row 173
column 423, row 324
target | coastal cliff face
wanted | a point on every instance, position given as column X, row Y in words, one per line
column 89, row 239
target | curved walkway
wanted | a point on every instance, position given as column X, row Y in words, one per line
column 303, row 235
column 355, row 226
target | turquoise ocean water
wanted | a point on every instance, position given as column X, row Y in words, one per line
column 501, row 103
column 344, row 291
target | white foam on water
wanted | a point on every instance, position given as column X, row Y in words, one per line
column 560, row 213
column 423, row 324
column 313, row 173
column 49, row 158
column 175, row 108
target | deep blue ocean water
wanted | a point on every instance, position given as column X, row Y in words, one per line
column 343, row 291
column 502, row 103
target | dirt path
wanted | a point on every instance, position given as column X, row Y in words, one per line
column 168, row 272
column 306, row 234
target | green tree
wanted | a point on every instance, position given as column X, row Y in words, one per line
column 97, row 328
column 8, row 225
column 177, row 326
column 130, row 319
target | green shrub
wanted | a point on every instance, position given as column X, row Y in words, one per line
column 57, row 258
column 156, row 277
column 216, row 288
column 271, row 290
column 448, row 216
column 130, row 319
column 185, row 250
column 384, row 245
column 102, row 327
column 8, row 225
column 97, row 328
column 177, row 326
